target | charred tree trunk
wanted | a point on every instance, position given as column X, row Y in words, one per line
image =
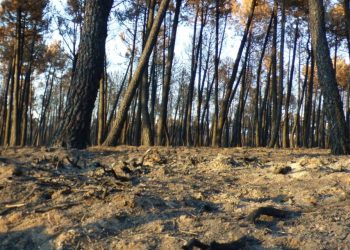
column 296, row 128
column 277, row 122
column 162, row 126
column 285, row 138
column 14, row 136
column 147, row 133
column 217, row 133
column 75, row 129
column 308, row 104
column 101, row 121
column 263, row 113
column 257, row 121
column 187, row 135
column 6, row 105
column 117, row 127
column 328, row 83
column 274, row 112
column 237, row 125
column 346, row 6
column 25, row 104
column 216, row 69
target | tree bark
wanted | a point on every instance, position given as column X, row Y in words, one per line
column 117, row 126
column 237, row 124
column 101, row 126
column 257, row 121
column 6, row 108
column 327, row 79
column 346, row 6
column 187, row 135
column 75, row 129
column 274, row 112
column 167, row 80
column 277, row 121
column 285, row 138
column 217, row 133
column 14, row 136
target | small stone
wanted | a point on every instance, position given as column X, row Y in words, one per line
column 282, row 170
column 198, row 196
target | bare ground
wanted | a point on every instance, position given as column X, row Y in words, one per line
column 160, row 198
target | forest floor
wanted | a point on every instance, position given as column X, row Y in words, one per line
column 160, row 198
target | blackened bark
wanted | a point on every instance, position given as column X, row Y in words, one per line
column 332, row 101
column 118, row 124
column 274, row 112
column 167, row 80
column 5, row 111
column 286, row 142
column 308, row 104
column 346, row 6
column 257, row 121
column 226, row 101
column 237, row 125
column 147, row 133
column 277, row 121
column 14, row 136
column 296, row 128
column 75, row 128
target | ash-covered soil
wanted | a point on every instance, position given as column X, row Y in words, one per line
column 161, row 198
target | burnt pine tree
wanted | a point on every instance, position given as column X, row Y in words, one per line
column 162, row 127
column 277, row 113
column 74, row 131
column 257, row 121
column 327, row 79
column 116, row 129
column 224, row 107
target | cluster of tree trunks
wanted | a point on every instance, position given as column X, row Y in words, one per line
column 265, row 112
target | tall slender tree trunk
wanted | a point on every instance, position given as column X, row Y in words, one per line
column 6, row 108
column 24, row 124
column 216, row 69
column 277, row 122
column 119, row 93
column 14, row 139
column 162, row 126
column 201, row 83
column 39, row 135
column 346, row 6
column 224, row 107
column 327, row 79
column 26, row 92
column 318, row 119
column 285, row 138
column 308, row 104
column 296, row 127
column 147, row 133
column 311, row 141
column 194, row 67
column 101, row 125
column 10, row 106
column 237, row 124
column 274, row 112
column 263, row 113
column 154, row 86
column 117, row 126
column 257, row 121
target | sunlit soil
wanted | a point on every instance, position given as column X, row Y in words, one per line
column 160, row 198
